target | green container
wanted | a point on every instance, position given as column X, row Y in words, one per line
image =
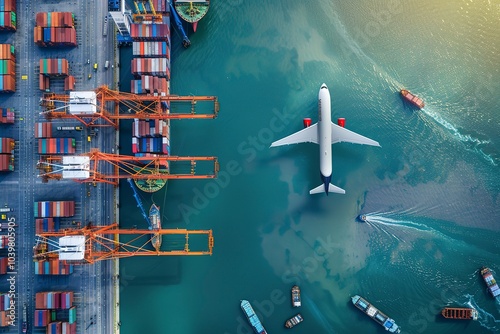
column 72, row 315
column 12, row 49
column 73, row 142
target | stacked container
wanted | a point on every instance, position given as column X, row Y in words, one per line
column 55, row 209
column 4, row 263
column 69, row 83
column 4, row 241
column 7, row 115
column 46, row 225
column 151, row 49
column 8, row 20
column 149, row 85
column 55, row 29
column 7, row 69
column 54, row 300
column 5, row 299
column 43, row 130
column 149, row 32
column 54, row 67
column 153, row 66
column 6, row 154
column 42, row 318
column 52, row 267
column 4, row 320
column 56, row 146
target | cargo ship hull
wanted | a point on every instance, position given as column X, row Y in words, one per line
column 463, row 313
column 296, row 302
column 415, row 100
column 154, row 218
column 192, row 11
column 374, row 313
column 253, row 319
column 294, row 321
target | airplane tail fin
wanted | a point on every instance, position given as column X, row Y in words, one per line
column 331, row 189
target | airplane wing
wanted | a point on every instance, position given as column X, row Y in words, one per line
column 307, row 135
column 340, row 134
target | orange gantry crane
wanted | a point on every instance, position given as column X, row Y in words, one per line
column 96, row 243
column 110, row 168
column 108, row 106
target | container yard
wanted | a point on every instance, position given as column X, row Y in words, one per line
column 45, row 131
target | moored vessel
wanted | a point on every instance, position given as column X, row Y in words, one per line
column 490, row 281
column 415, row 100
column 192, row 10
column 465, row 313
column 155, row 220
column 253, row 319
column 374, row 313
column 296, row 301
column 293, row 321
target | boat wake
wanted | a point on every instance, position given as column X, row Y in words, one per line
column 471, row 143
column 486, row 319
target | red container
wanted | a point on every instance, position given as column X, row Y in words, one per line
column 7, row 52
column 69, row 83
column 9, row 83
column 43, row 130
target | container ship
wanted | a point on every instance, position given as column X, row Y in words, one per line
column 155, row 219
column 296, row 302
column 252, row 317
column 375, row 314
column 192, row 11
column 416, row 101
column 490, row 281
column 294, row 321
column 465, row 313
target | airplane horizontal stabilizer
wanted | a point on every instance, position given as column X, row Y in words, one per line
column 331, row 189
column 307, row 135
column 340, row 134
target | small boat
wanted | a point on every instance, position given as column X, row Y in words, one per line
column 490, row 281
column 296, row 302
column 253, row 319
column 294, row 321
column 374, row 313
column 465, row 313
column 362, row 218
column 415, row 100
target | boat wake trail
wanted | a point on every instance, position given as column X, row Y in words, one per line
column 486, row 319
column 390, row 226
column 471, row 143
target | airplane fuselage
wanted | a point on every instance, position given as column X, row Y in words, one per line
column 325, row 132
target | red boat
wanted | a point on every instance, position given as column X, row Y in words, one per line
column 415, row 100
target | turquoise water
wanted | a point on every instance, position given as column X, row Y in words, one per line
column 430, row 193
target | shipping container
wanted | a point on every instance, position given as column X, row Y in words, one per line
column 153, row 66
column 46, row 37
column 7, row 52
column 152, row 32
column 69, row 83
column 56, row 146
column 7, row 116
column 8, row 21
column 7, row 145
column 54, row 209
column 54, row 67
column 6, row 163
column 8, row 5
column 52, row 267
column 8, row 83
column 54, row 19
column 151, row 49
column 43, row 130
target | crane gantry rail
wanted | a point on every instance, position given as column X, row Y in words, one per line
column 124, row 166
column 102, row 243
column 112, row 106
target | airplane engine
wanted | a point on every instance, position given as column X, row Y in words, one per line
column 307, row 122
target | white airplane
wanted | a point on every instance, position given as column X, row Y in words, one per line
column 325, row 133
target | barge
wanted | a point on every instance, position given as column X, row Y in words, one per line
column 463, row 313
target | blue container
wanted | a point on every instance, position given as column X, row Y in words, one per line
column 57, row 223
column 46, row 268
